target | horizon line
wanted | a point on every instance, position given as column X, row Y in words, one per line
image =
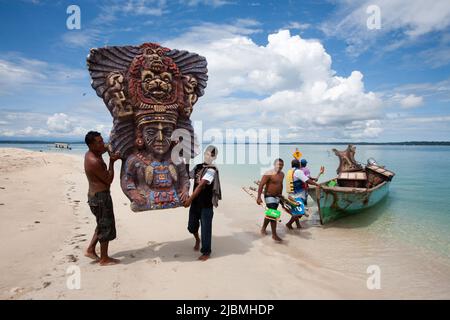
column 410, row 142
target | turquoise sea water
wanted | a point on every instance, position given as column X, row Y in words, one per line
column 417, row 210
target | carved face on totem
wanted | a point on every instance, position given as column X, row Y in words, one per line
column 156, row 78
column 156, row 84
column 157, row 137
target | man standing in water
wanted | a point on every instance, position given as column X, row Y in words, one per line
column 206, row 194
column 272, row 183
column 99, row 197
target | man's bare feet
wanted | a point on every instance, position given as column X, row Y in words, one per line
column 263, row 232
column 108, row 261
column 276, row 238
column 289, row 226
column 91, row 254
column 203, row 257
column 197, row 245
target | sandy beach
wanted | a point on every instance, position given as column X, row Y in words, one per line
column 46, row 226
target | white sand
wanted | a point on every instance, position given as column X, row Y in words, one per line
column 158, row 261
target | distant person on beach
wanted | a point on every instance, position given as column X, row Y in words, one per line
column 272, row 184
column 205, row 196
column 300, row 187
column 99, row 198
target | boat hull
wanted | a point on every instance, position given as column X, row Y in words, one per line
column 338, row 202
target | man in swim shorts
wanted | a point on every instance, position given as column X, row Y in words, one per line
column 99, row 198
column 272, row 183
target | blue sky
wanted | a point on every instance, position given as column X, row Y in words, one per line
column 313, row 69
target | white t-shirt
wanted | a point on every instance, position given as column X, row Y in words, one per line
column 209, row 175
column 300, row 175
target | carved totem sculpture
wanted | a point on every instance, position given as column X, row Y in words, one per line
column 347, row 162
column 150, row 92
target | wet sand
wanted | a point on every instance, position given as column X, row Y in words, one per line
column 46, row 225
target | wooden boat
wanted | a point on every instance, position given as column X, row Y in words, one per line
column 60, row 145
column 355, row 188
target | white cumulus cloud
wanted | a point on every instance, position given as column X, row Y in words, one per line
column 60, row 122
column 411, row 101
column 287, row 83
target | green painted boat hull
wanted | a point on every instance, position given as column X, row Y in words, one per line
column 339, row 202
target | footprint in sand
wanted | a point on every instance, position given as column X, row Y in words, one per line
column 72, row 258
column 156, row 245
column 80, row 235
column 154, row 261
column 46, row 284
column 16, row 290
column 27, row 228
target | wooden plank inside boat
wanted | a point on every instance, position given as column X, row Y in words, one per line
column 388, row 174
column 352, row 176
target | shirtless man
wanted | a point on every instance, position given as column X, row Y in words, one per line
column 99, row 197
column 272, row 182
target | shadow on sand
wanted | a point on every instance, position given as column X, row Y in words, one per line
column 182, row 250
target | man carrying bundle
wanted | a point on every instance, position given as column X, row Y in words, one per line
column 206, row 195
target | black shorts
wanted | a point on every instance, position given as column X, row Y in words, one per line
column 102, row 207
column 272, row 206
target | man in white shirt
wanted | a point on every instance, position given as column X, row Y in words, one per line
column 300, row 181
column 202, row 200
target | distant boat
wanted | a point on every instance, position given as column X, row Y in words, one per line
column 60, row 145
column 355, row 188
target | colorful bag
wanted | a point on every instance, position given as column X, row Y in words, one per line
column 299, row 209
column 272, row 213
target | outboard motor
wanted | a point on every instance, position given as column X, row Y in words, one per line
column 372, row 161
